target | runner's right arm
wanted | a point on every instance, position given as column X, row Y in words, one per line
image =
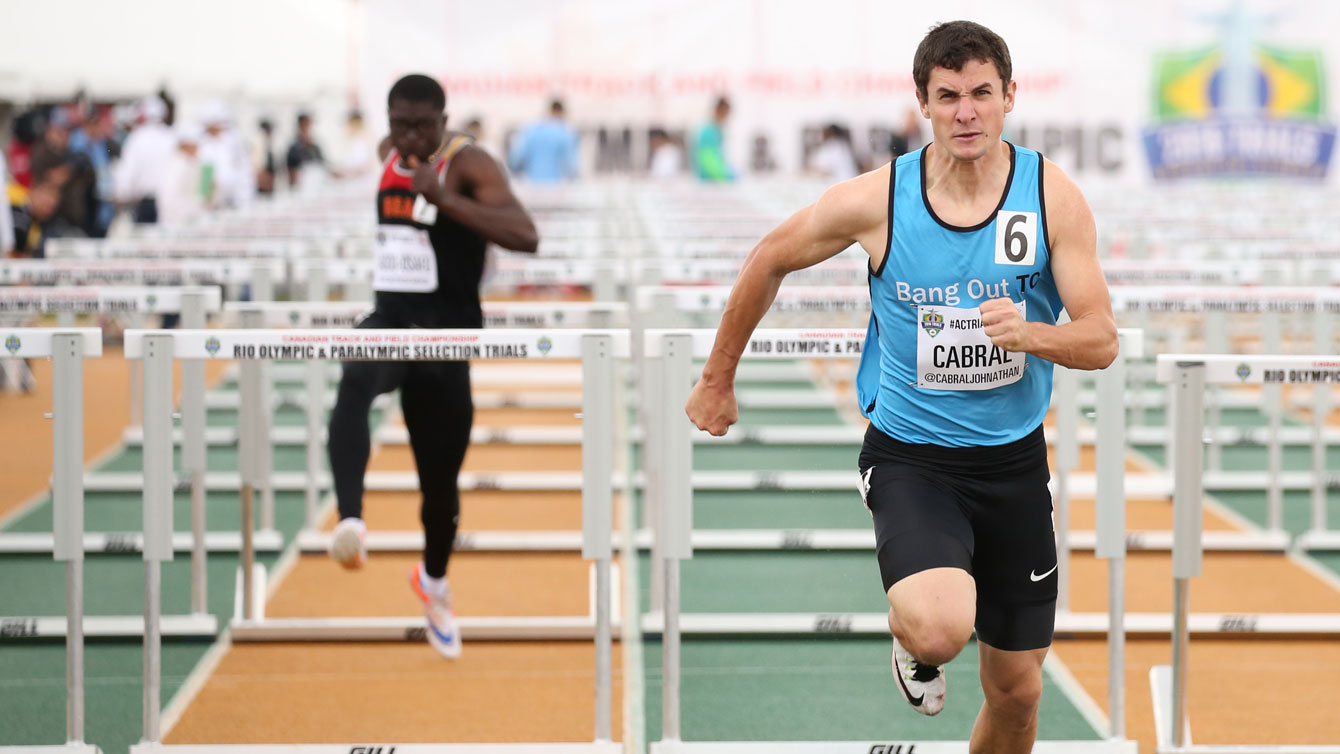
column 854, row 211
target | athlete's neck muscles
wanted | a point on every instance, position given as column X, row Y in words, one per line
column 963, row 183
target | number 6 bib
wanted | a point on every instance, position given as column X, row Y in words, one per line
column 954, row 352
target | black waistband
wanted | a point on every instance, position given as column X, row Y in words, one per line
column 1020, row 455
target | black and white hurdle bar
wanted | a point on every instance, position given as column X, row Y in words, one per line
column 1188, row 375
column 67, row 348
column 596, row 348
column 670, row 353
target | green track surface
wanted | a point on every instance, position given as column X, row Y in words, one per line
column 837, row 689
column 32, row 673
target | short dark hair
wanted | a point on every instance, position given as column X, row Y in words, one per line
column 417, row 87
column 556, row 106
column 951, row 45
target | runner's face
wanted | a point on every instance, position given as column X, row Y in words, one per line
column 416, row 128
column 967, row 108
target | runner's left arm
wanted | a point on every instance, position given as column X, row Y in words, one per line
column 1089, row 339
column 494, row 211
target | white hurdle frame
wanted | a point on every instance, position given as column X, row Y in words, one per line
column 1188, row 374
column 193, row 303
column 67, row 348
column 158, row 349
column 670, row 352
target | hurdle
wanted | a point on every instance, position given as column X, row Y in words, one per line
column 67, row 348
column 835, row 344
column 597, row 350
column 671, row 351
column 1188, row 375
column 192, row 303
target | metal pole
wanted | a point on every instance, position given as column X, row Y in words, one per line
column 249, row 389
column 1216, row 341
column 1110, row 522
column 598, row 506
column 1321, row 330
column 1188, row 423
column 670, row 655
column 676, row 514
column 1067, row 442
column 136, row 377
column 315, row 372
column 157, row 514
column 193, row 450
column 258, row 410
column 67, row 501
column 1275, row 458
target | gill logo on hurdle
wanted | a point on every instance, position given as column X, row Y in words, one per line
column 893, row 749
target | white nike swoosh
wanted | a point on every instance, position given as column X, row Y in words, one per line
column 1035, row 577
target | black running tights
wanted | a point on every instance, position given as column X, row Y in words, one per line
column 435, row 399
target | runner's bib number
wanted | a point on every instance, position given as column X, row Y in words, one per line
column 405, row 260
column 954, row 352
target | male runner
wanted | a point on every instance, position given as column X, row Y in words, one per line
column 441, row 200
column 975, row 245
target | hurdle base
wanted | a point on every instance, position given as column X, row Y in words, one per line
column 52, row 749
column 1211, row 541
column 1319, row 541
column 380, row 748
column 1068, row 625
column 559, row 628
column 197, row 626
column 1160, row 689
column 110, row 543
column 877, row 747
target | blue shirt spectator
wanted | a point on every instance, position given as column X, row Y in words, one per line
column 546, row 152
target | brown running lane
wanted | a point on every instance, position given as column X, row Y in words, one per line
column 404, row 692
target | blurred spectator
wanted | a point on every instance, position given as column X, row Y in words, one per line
column 186, row 189
column 144, row 158
column 667, row 159
column 70, row 171
column 709, row 155
column 303, row 152
column 266, row 167
column 95, row 142
column 27, row 126
column 35, row 217
column 908, row 139
column 224, row 159
column 834, row 159
column 360, row 150
column 475, row 129
column 546, row 152
column 169, row 107
column 761, row 160
column 7, row 240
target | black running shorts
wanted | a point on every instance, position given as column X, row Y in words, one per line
column 986, row 510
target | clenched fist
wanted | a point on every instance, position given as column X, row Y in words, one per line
column 712, row 408
column 1004, row 325
column 425, row 180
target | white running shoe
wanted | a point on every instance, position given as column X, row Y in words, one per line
column 442, row 632
column 348, row 543
column 923, row 686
